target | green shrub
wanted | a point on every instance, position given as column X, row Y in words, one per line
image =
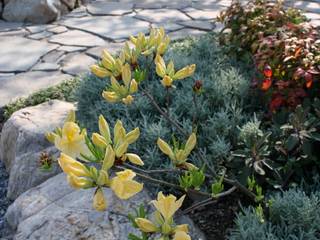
column 219, row 109
column 62, row 91
column 292, row 216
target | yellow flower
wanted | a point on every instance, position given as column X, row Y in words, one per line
column 179, row 157
column 167, row 81
column 165, row 148
column 180, row 235
column 168, row 73
column 78, row 182
column 104, row 128
column 128, row 100
column 51, row 136
column 110, row 96
column 100, row 71
column 145, row 225
column 109, row 159
column 135, row 159
column 99, row 201
column 167, row 205
column 183, row 228
column 123, row 185
column 72, row 167
column 185, row 72
column 71, row 141
column 99, row 140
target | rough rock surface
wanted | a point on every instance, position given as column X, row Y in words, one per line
column 22, row 141
column 53, row 210
column 36, row 11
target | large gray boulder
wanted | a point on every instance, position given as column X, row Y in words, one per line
column 53, row 210
column 23, row 141
column 37, row 11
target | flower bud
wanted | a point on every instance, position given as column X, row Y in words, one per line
column 133, row 86
column 110, row 96
column 167, row 81
column 99, row 141
column 99, row 202
column 99, row 71
column 132, row 136
column 135, row 159
column 128, row 100
column 145, row 225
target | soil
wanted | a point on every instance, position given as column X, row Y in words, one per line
column 216, row 220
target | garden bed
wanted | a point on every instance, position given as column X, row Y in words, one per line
column 240, row 142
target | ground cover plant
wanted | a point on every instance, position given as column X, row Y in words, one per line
column 198, row 131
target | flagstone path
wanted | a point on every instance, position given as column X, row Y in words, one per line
column 33, row 57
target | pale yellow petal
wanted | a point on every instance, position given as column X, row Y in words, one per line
column 135, row 159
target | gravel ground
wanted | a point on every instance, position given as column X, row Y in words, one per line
column 4, row 202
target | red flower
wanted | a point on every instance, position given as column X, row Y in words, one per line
column 276, row 102
column 267, row 71
column 309, row 80
column 266, row 84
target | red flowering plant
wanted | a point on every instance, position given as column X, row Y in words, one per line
column 284, row 46
column 290, row 64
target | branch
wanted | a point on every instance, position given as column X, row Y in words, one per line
column 209, row 200
column 232, row 182
column 163, row 113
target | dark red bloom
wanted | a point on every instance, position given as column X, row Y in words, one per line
column 197, row 86
column 267, row 71
column 266, row 84
column 309, row 79
column 276, row 102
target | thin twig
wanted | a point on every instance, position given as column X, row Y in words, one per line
column 231, row 182
column 209, row 200
column 163, row 113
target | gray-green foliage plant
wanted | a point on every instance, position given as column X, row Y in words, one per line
column 218, row 110
column 292, row 215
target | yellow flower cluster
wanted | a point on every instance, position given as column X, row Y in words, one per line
column 118, row 92
column 157, row 42
column 168, row 73
column 163, row 223
column 179, row 156
column 121, row 141
column 119, row 69
column 70, row 140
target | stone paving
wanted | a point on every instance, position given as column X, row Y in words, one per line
column 37, row 56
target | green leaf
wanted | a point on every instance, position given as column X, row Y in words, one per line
column 292, row 142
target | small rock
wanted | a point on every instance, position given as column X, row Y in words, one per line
column 201, row 25
column 36, row 28
column 53, row 56
column 75, row 64
column 53, row 210
column 109, row 8
column 23, row 140
column 162, row 16
column 40, row 35
column 58, row 29
column 204, row 14
column 71, row 49
column 83, row 39
column 105, row 26
column 45, row 66
column 20, row 54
